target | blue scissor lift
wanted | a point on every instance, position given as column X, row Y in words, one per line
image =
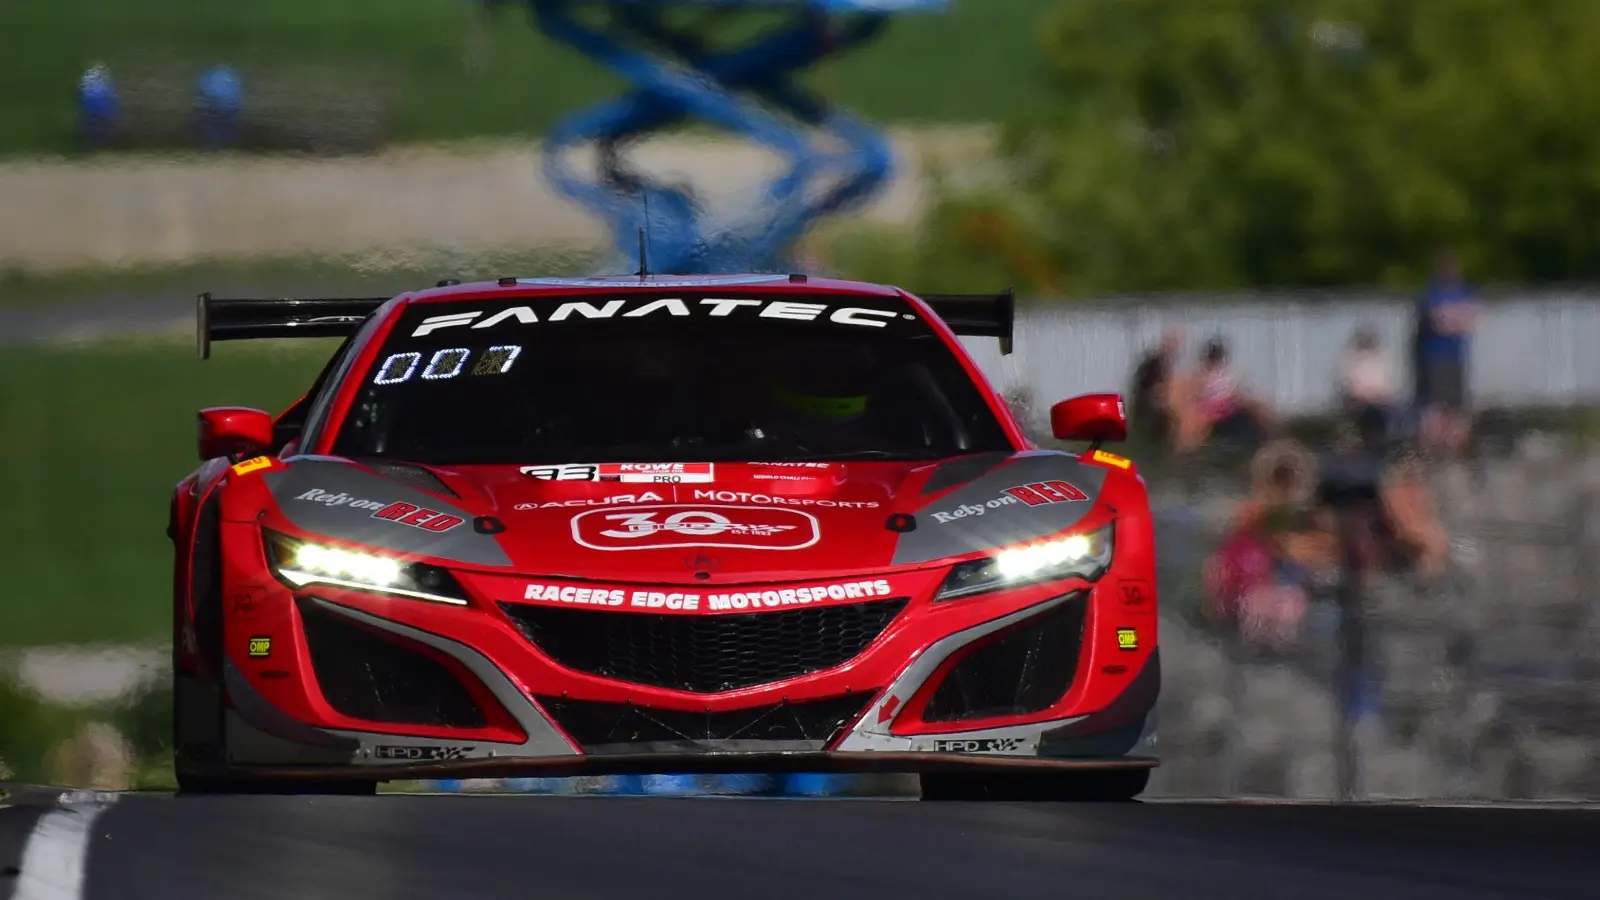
column 676, row 77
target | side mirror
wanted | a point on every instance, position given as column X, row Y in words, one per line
column 234, row 431
column 1090, row 417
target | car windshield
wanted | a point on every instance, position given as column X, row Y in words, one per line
column 666, row 378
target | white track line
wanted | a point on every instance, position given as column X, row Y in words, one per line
column 56, row 859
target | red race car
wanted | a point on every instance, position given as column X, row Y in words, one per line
column 658, row 524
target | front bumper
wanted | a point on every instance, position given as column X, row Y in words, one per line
column 1043, row 675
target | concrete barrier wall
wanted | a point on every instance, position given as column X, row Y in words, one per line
column 132, row 210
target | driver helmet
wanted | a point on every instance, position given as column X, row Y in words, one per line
column 826, row 383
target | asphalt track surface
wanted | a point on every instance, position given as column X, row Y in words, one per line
column 607, row 848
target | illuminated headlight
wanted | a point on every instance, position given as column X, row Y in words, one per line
column 299, row 563
column 1085, row 556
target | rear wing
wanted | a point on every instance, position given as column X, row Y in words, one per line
column 978, row 315
column 246, row 319
column 254, row 319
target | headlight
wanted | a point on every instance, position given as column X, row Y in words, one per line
column 299, row 563
column 1085, row 556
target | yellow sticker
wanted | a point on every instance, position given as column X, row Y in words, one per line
column 1128, row 638
column 1111, row 459
column 252, row 465
column 260, row 647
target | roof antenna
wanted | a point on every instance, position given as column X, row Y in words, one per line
column 644, row 257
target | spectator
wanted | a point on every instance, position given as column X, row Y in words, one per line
column 1151, row 393
column 98, row 107
column 1212, row 403
column 1446, row 317
column 1388, row 506
column 1411, row 516
column 219, row 105
column 1280, row 548
column 1367, row 388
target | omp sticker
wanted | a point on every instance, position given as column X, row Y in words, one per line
column 657, row 528
column 260, row 647
column 1127, row 639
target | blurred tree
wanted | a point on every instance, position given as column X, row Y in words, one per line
column 1254, row 143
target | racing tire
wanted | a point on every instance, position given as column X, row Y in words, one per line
column 196, row 785
column 1105, row 786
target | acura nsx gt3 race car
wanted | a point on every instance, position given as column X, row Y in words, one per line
column 658, row 524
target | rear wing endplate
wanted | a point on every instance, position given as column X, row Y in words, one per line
column 978, row 315
column 252, row 319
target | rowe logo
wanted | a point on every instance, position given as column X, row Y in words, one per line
column 661, row 527
column 668, row 307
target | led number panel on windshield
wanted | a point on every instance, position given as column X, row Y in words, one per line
column 398, row 368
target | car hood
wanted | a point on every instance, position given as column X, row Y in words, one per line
column 739, row 521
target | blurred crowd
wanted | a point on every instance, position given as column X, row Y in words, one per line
column 1314, row 520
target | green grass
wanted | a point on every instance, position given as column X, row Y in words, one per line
column 96, row 439
column 323, row 62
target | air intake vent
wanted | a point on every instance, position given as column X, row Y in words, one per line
column 410, row 475
column 1026, row 670
column 620, row 727
column 365, row 675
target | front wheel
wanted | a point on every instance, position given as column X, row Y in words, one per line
column 1103, row 786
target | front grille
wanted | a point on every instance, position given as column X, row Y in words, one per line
column 704, row 654
column 365, row 675
column 621, row 725
column 1025, row 671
